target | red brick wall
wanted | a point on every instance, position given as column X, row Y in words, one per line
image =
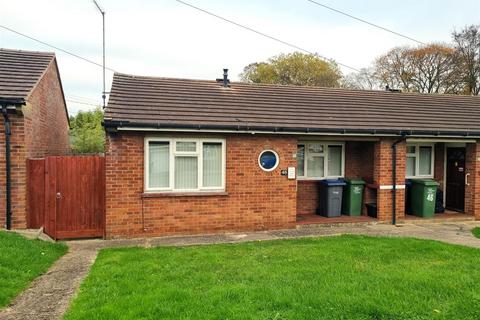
column 46, row 117
column 256, row 200
column 358, row 164
column 383, row 177
column 439, row 162
column 307, row 196
column 359, row 160
column 472, row 190
column 42, row 130
column 18, row 172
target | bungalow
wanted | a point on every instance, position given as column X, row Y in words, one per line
column 35, row 124
column 196, row 156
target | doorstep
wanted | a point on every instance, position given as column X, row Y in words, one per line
column 447, row 216
column 309, row 219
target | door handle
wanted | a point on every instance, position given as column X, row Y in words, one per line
column 466, row 179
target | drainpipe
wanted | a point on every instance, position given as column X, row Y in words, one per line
column 6, row 122
column 394, row 177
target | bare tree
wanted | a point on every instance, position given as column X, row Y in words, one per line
column 467, row 44
column 363, row 80
column 393, row 69
column 427, row 69
column 434, row 69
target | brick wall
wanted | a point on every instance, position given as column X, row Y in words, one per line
column 255, row 200
column 307, row 196
column 18, row 172
column 359, row 160
column 472, row 190
column 42, row 130
column 439, row 164
column 383, row 177
column 46, row 117
column 358, row 164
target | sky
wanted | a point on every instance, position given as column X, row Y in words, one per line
column 168, row 39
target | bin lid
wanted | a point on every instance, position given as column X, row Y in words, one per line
column 333, row 182
column 426, row 182
column 354, row 181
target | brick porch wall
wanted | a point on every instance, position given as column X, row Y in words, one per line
column 307, row 196
column 383, row 177
column 472, row 190
column 256, row 200
column 439, row 164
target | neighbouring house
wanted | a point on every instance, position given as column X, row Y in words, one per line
column 194, row 156
column 34, row 111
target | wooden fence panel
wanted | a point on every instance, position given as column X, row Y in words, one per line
column 74, row 196
column 50, row 196
column 35, row 193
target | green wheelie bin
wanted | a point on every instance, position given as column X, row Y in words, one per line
column 353, row 196
column 423, row 193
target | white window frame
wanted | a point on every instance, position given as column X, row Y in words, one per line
column 173, row 152
column 325, row 159
column 416, row 155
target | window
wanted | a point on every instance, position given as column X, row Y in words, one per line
column 268, row 160
column 419, row 161
column 319, row 160
column 158, row 163
column 184, row 164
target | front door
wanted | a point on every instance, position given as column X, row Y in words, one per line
column 455, row 184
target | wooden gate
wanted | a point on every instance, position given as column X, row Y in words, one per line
column 67, row 196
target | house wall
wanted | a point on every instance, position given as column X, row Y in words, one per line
column 18, row 172
column 472, row 189
column 42, row 130
column 46, row 118
column 307, row 196
column 254, row 199
column 439, row 164
column 358, row 164
column 383, row 178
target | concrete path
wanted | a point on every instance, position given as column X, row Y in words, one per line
column 449, row 232
column 49, row 296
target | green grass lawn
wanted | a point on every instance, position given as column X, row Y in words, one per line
column 21, row 261
column 346, row 277
column 476, row 232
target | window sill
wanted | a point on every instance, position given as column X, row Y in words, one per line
column 419, row 177
column 317, row 179
column 183, row 194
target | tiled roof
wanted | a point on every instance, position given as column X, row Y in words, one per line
column 182, row 103
column 20, row 71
